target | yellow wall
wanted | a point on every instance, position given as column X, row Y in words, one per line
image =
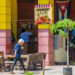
column 43, row 1
column 43, row 26
column 5, row 14
column 14, row 17
column 8, row 13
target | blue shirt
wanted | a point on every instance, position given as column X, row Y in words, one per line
column 18, row 50
column 25, row 36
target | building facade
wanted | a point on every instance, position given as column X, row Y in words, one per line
column 15, row 12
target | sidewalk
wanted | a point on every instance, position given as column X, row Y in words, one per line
column 52, row 70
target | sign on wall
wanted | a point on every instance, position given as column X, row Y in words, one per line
column 43, row 14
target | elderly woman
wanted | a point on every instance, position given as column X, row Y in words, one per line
column 17, row 55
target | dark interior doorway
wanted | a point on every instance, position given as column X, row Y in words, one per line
column 26, row 21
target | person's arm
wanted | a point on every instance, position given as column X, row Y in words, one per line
column 30, row 33
column 16, row 49
column 15, row 54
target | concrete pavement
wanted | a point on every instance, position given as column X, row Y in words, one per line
column 51, row 70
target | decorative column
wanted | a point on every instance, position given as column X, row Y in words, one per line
column 5, row 26
column 45, row 38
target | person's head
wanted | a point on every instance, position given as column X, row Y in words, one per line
column 20, row 42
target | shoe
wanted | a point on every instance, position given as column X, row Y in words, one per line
column 12, row 72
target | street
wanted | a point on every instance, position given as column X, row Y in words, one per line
column 52, row 70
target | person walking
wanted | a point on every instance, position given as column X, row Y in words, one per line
column 17, row 55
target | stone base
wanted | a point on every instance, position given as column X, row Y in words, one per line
column 67, row 71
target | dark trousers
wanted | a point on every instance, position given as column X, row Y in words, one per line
column 15, row 61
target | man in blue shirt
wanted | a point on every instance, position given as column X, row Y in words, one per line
column 25, row 36
column 17, row 55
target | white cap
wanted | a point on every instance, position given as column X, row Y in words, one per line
column 20, row 40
